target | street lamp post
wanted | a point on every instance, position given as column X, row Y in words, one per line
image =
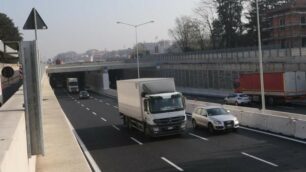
column 262, row 88
column 136, row 36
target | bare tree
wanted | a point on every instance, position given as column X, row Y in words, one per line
column 189, row 34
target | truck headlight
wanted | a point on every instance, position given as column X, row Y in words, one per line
column 155, row 129
column 183, row 125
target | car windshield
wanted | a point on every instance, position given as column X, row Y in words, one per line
column 161, row 104
column 243, row 95
column 216, row 111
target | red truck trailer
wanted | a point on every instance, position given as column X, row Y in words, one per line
column 280, row 87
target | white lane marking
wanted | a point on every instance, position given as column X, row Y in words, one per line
column 101, row 101
column 135, row 140
column 96, row 99
column 103, row 119
column 172, row 164
column 88, row 109
column 94, row 113
column 116, row 127
column 92, row 162
column 259, row 159
column 78, row 102
column 199, row 137
column 91, row 97
column 82, row 105
column 116, row 107
column 107, row 104
column 275, row 135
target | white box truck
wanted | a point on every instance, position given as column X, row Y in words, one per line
column 152, row 105
column 72, row 85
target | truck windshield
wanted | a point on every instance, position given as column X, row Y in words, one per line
column 72, row 83
column 162, row 104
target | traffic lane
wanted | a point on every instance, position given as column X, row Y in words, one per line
column 291, row 108
column 245, row 144
column 193, row 161
column 105, row 107
column 112, row 150
column 173, row 140
column 286, row 154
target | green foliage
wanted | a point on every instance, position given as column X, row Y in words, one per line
column 230, row 24
column 8, row 32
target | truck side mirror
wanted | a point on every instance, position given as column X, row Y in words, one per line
column 184, row 101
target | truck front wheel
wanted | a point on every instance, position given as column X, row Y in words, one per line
column 147, row 131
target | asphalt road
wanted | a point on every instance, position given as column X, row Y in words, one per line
column 115, row 148
column 291, row 108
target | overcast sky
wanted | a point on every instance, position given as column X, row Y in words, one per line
column 79, row 25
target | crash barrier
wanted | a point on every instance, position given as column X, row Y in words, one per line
column 13, row 145
column 289, row 124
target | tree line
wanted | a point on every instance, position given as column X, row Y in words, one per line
column 218, row 24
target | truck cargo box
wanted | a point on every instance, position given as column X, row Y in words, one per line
column 130, row 93
column 276, row 83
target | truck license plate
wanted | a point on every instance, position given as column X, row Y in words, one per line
column 170, row 128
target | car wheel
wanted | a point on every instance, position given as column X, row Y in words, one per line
column 211, row 129
column 194, row 124
column 236, row 103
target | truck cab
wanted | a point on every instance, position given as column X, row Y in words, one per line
column 165, row 113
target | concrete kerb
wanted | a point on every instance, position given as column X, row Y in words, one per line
column 300, row 129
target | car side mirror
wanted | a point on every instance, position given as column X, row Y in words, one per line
column 145, row 105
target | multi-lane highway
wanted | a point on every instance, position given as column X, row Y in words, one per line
column 114, row 148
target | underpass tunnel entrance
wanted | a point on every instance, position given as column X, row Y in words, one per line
column 59, row 80
column 120, row 74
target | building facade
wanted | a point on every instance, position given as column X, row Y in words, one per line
column 286, row 25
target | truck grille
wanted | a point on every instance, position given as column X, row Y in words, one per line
column 169, row 121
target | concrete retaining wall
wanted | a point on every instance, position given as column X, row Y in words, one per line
column 13, row 145
column 293, row 125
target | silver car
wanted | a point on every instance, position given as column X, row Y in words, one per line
column 237, row 99
column 214, row 118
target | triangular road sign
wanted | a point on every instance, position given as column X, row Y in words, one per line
column 30, row 24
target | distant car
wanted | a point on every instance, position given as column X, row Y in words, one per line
column 214, row 118
column 237, row 99
column 83, row 95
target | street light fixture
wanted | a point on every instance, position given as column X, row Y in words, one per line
column 136, row 26
column 262, row 88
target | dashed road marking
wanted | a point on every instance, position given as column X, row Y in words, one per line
column 94, row 113
column 103, row 119
column 82, row 105
column 172, row 164
column 116, row 107
column 135, row 140
column 107, row 104
column 259, row 159
column 78, row 102
column 199, row 137
column 101, row 101
column 116, row 127
column 88, row 109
